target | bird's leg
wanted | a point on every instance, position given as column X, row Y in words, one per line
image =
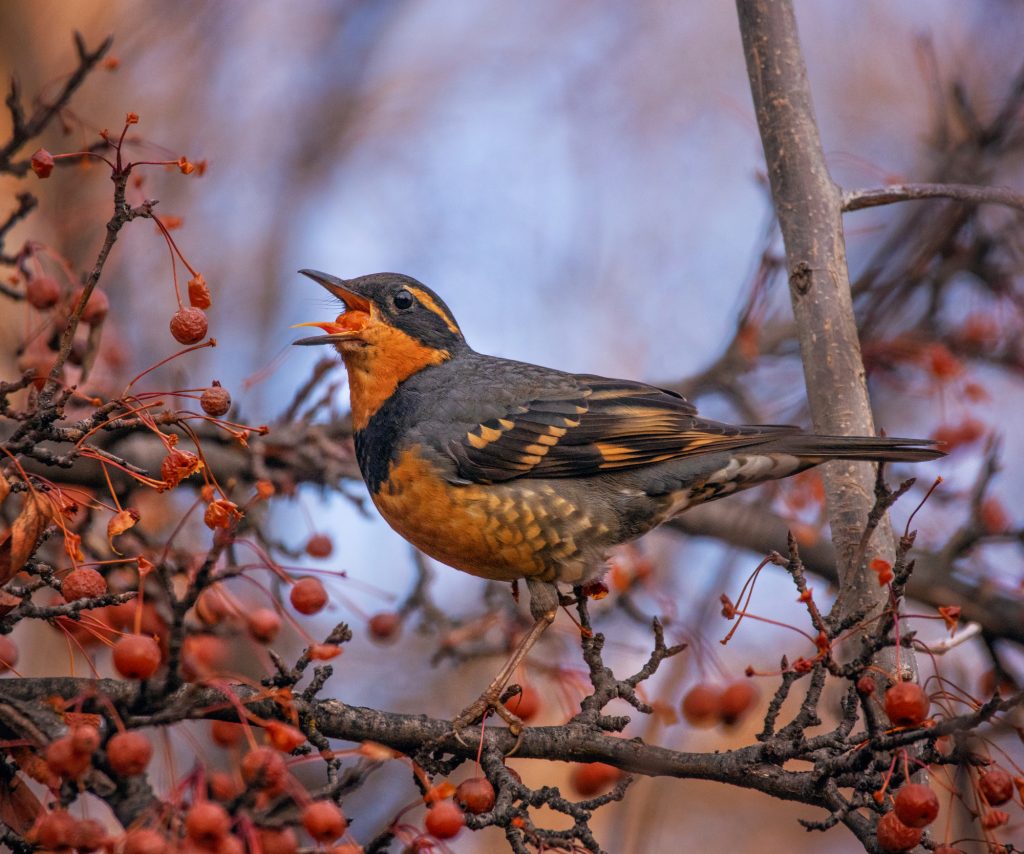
column 543, row 608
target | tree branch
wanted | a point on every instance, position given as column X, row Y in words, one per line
column 855, row 200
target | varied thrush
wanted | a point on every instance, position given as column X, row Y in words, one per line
column 508, row 470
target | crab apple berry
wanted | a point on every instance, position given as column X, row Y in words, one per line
column 906, row 704
column 996, row 785
column 444, row 820
column 263, row 624
column 866, row 685
column 64, row 761
column 525, row 704
column 736, row 699
column 189, row 325
column 319, row 545
column 226, row 734
column 308, row 595
column 96, row 309
column 215, row 400
column 916, row 805
column 991, row 819
column 42, row 292
column 144, row 841
column 593, row 777
column 475, row 794
column 701, row 705
column 894, row 836
column 385, row 626
column 207, row 823
column 283, row 736
column 83, row 583
column 55, row 830
column 202, row 655
column 128, row 753
column 278, row 840
column 136, row 656
column 8, row 653
column 85, row 738
column 88, row 835
column 323, row 821
column 223, row 786
column 42, row 163
column 264, row 768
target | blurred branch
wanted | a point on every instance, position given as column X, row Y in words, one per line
column 855, row 200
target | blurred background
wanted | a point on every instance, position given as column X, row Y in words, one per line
column 583, row 184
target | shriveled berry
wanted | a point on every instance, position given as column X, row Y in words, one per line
column 263, row 624
column 593, row 777
column 736, row 699
column 215, row 400
column 319, row 545
column 906, row 704
column 284, row 736
column 189, row 325
column 178, row 465
column 96, row 309
column 308, row 595
column 8, row 653
column 701, row 705
column 264, row 768
column 55, row 830
column 475, row 794
column 866, row 685
column 42, row 292
column 88, row 835
column 128, row 753
column 894, row 836
column 385, row 626
column 996, row 785
column 85, row 739
column 278, row 840
column 223, row 786
column 206, row 823
column 144, row 841
column 916, row 805
column 525, row 704
column 323, row 821
column 136, row 656
column 42, row 163
column 444, row 820
column 83, row 583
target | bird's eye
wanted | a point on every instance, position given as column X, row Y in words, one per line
column 403, row 300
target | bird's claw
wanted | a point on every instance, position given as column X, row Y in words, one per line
column 475, row 712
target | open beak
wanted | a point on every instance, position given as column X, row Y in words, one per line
column 350, row 323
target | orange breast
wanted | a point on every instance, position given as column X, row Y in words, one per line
column 501, row 531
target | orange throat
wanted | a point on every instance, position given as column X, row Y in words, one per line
column 386, row 358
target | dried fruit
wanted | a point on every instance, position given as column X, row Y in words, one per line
column 319, row 545
column 189, row 325
column 736, row 699
column 594, row 777
column 178, row 465
column 215, row 400
column 223, row 786
column 226, row 733
column 996, row 785
column 222, row 514
column 83, row 583
column 894, row 836
column 64, row 761
column 8, row 653
column 308, row 595
column 264, row 624
column 475, row 794
column 199, row 293
column 96, row 308
column 203, row 655
column 278, row 840
column 264, row 768
column 42, row 292
column 85, row 739
column 136, row 656
column 144, row 841
column 444, row 820
column 323, row 821
column 525, row 704
column 128, row 753
column 916, row 805
column 42, row 163
column 701, row 704
column 207, row 823
column 55, row 830
column 88, row 835
column 283, row 736
column 906, row 704
column 385, row 626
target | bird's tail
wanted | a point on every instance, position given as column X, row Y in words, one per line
column 811, row 446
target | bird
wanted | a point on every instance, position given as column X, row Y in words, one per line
column 508, row 470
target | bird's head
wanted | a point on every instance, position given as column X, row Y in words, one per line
column 391, row 328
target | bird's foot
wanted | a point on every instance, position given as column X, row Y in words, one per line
column 489, row 701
